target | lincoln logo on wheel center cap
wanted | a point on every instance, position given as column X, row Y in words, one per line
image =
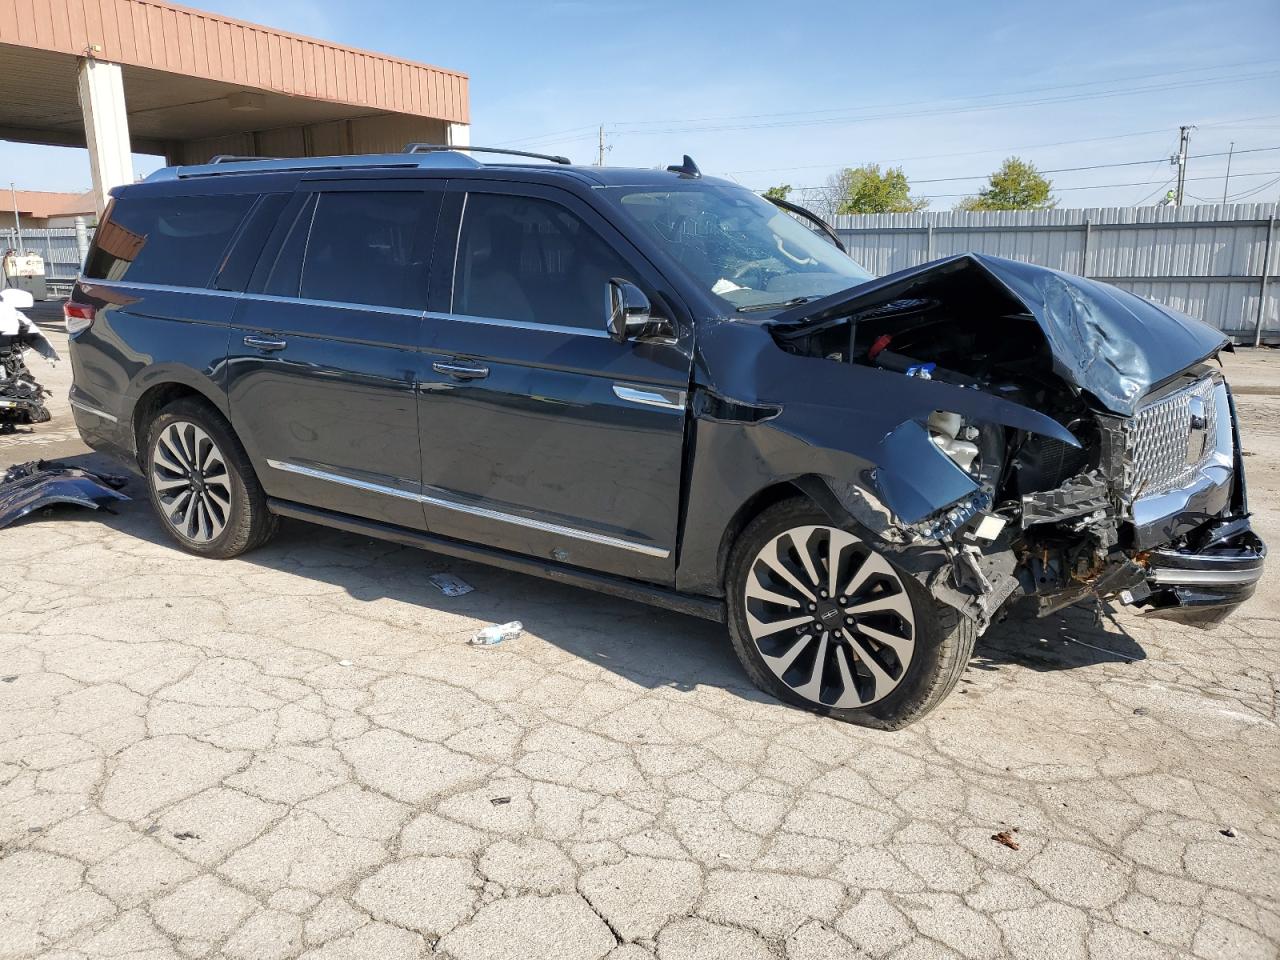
column 830, row 614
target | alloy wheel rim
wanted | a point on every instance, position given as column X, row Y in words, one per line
column 830, row 616
column 191, row 482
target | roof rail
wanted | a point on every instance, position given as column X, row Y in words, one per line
column 232, row 158
column 227, row 165
column 417, row 147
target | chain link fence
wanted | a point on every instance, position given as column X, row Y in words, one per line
column 1217, row 262
column 63, row 250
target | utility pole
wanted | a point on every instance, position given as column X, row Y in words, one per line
column 600, row 157
column 1226, row 181
column 1180, row 161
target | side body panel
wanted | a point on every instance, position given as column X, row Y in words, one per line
column 143, row 336
column 147, row 335
column 569, row 445
column 323, row 393
column 789, row 417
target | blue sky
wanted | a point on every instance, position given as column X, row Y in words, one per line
column 787, row 93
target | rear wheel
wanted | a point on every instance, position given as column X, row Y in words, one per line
column 202, row 487
column 822, row 619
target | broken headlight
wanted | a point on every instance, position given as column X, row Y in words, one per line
column 957, row 439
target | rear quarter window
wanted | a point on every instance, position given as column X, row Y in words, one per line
column 178, row 241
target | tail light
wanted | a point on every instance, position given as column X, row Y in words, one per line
column 78, row 316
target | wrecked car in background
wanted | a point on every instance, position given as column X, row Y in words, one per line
column 658, row 385
column 21, row 397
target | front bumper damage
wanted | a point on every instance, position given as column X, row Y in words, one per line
column 1203, row 584
column 1007, row 434
column 1182, row 551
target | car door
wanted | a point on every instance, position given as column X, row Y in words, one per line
column 540, row 433
column 324, row 356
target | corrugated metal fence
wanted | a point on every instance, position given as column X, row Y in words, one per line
column 1217, row 262
column 59, row 248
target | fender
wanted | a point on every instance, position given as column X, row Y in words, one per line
column 856, row 423
column 166, row 373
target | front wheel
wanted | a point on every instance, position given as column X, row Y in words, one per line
column 821, row 619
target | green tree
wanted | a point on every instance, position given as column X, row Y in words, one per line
column 866, row 189
column 778, row 193
column 1017, row 185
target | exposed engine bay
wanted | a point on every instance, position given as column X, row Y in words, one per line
column 1050, row 520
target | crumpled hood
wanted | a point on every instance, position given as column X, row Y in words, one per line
column 1104, row 340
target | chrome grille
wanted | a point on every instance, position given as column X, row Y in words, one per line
column 1163, row 453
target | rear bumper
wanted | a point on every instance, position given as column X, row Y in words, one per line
column 100, row 428
column 1203, row 583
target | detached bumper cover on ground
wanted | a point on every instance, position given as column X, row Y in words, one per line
column 28, row 487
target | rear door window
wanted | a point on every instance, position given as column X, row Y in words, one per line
column 370, row 247
column 178, row 241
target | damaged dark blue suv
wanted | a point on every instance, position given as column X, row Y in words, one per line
column 658, row 385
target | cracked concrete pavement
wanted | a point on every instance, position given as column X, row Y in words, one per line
column 296, row 753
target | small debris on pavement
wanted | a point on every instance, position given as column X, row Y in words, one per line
column 499, row 801
column 450, row 585
column 1140, row 711
column 9, row 679
column 186, row 835
column 493, row 635
column 1229, row 832
column 1006, row 838
column 344, row 663
column 1067, row 638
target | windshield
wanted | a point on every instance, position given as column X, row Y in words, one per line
column 739, row 246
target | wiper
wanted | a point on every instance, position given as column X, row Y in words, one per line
column 794, row 302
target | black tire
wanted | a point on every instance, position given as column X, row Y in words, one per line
column 246, row 522
column 941, row 639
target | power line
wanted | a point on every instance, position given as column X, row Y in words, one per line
column 1162, row 186
column 968, row 153
column 547, row 136
column 1103, row 166
column 1256, row 190
column 635, row 127
column 1087, row 186
column 1011, row 104
column 1013, row 150
column 1091, row 166
column 978, row 96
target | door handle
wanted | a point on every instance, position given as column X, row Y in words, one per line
column 265, row 343
column 461, row 371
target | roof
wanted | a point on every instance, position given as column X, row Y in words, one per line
column 41, row 204
column 191, row 43
column 455, row 162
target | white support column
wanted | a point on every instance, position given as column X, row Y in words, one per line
column 459, row 134
column 106, row 127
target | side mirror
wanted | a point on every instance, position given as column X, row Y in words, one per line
column 629, row 310
column 631, row 315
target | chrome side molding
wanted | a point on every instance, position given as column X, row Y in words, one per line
column 81, row 405
column 650, row 396
column 543, row 526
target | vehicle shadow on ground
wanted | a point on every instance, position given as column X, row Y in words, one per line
column 645, row 645
column 1080, row 636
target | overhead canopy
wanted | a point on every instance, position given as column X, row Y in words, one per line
column 197, row 84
